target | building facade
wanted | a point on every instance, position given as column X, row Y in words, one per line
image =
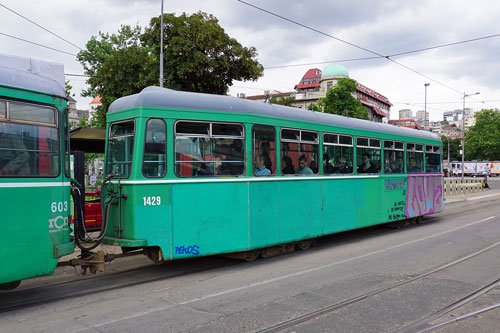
column 315, row 83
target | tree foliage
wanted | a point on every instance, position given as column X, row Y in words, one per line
column 67, row 88
column 340, row 100
column 482, row 141
column 199, row 56
column 283, row 100
column 454, row 148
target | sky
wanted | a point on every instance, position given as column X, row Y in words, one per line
column 385, row 28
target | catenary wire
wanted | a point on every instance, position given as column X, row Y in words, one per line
column 352, row 44
column 37, row 44
column 38, row 25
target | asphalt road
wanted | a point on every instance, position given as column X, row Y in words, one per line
column 249, row 297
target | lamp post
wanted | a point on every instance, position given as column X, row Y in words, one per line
column 463, row 132
column 425, row 106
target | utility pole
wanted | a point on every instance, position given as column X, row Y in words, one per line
column 425, row 107
column 161, row 46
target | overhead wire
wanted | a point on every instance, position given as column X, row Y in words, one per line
column 388, row 57
column 38, row 25
column 37, row 44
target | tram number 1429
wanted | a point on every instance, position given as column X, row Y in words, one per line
column 152, row 201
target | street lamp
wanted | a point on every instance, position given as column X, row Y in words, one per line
column 463, row 132
column 425, row 106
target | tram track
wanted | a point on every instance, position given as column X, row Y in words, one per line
column 420, row 324
column 37, row 295
column 50, row 293
column 424, row 324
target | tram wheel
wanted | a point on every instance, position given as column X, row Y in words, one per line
column 304, row 244
column 251, row 255
column 10, row 285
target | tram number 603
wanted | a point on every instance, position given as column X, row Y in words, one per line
column 59, row 206
column 152, row 201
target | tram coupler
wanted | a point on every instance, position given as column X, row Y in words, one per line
column 92, row 261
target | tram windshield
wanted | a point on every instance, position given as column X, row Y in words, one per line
column 29, row 142
column 120, row 149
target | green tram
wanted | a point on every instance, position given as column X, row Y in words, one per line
column 194, row 174
column 34, row 169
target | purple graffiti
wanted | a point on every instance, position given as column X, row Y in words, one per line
column 424, row 195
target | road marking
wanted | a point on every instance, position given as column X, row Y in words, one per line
column 483, row 196
column 260, row 283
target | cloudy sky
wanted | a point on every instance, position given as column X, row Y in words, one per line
column 384, row 27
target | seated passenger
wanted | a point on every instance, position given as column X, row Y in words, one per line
column 303, row 169
column 313, row 167
column 394, row 167
column 366, row 165
column 287, row 166
column 260, row 169
column 200, row 169
column 327, row 167
column 266, row 151
column 412, row 165
column 341, row 167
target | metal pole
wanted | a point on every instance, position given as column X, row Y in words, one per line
column 425, row 107
column 161, row 46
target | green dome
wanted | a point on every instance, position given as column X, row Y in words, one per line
column 334, row 70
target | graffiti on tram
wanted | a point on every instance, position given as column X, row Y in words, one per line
column 424, row 195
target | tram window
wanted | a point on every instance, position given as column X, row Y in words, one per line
column 368, row 155
column 209, row 149
column 192, row 128
column 264, row 149
column 155, row 146
column 338, row 154
column 28, row 150
column 120, row 149
column 393, row 157
column 227, row 130
column 299, row 152
column 433, row 159
column 32, row 112
column 414, row 158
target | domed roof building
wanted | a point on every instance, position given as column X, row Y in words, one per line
column 315, row 83
column 334, row 70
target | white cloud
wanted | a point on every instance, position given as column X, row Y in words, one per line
column 387, row 27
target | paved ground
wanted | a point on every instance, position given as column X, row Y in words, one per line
column 247, row 297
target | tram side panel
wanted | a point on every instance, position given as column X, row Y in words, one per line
column 264, row 217
column 209, row 218
column 300, row 210
column 32, row 245
column 339, row 205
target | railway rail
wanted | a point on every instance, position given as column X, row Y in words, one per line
column 23, row 298
column 414, row 327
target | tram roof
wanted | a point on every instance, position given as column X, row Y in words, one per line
column 168, row 98
column 32, row 74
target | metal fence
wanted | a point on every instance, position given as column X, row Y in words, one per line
column 456, row 186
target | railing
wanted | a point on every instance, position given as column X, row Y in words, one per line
column 456, row 186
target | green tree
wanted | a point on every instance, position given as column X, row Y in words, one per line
column 283, row 100
column 454, row 148
column 68, row 88
column 482, row 141
column 117, row 65
column 340, row 100
column 199, row 55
